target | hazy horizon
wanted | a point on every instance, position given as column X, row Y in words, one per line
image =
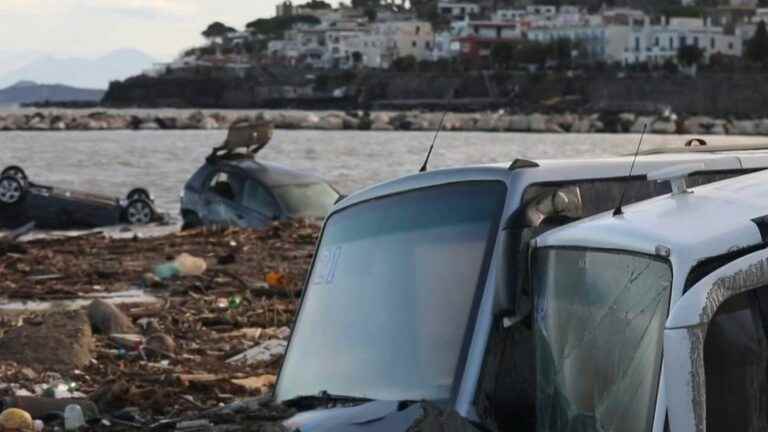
column 94, row 28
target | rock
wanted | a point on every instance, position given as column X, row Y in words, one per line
column 703, row 125
column 307, row 121
column 564, row 121
column 208, row 123
column 106, row 318
column 641, row 122
column 518, row 123
column 149, row 125
column 627, row 119
column 664, row 127
column 330, row 122
column 160, row 344
column 61, row 342
column 742, row 127
column 58, row 125
column 264, row 352
column 582, row 125
column 167, row 122
column 538, row 123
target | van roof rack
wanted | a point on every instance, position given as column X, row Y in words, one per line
column 704, row 149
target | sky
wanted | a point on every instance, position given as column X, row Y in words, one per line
column 91, row 28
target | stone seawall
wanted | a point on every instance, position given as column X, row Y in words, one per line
column 390, row 121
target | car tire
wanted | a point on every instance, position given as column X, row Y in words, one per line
column 12, row 191
column 15, row 171
column 190, row 220
column 139, row 212
column 139, row 193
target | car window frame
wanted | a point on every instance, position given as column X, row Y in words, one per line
column 281, row 209
column 212, row 174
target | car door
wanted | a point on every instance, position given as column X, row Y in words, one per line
column 259, row 204
column 222, row 193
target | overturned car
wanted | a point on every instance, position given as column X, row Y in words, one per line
column 420, row 291
column 50, row 207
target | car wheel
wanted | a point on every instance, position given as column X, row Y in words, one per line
column 139, row 212
column 15, row 171
column 11, row 190
column 138, row 193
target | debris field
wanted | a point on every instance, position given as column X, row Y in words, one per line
column 181, row 351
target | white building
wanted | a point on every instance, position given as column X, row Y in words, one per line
column 405, row 38
column 457, row 10
column 513, row 15
column 593, row 38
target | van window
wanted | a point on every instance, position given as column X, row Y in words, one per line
column 735, row 362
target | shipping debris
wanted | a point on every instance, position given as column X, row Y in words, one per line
column 202, row 339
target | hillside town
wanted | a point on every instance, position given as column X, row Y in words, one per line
column 383, row 35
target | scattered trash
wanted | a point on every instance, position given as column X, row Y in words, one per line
column 275, row 279
column 14, row 419
column 264, row 352
column 150, row 364
column 106, row 318
column 73, row 418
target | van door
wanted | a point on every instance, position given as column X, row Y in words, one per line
column 716, row 351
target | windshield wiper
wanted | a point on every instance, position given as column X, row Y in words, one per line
column 323, row 398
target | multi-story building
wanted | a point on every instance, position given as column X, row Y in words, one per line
column 457, row 10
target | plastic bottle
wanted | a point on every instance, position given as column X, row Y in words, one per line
column 73, row 418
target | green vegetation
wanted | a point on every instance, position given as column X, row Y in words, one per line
column 509, row 54
column 217, row 30
column 405, row 64
column 757, row 47
column 683, row 11
column 316, row 5
column 690, row 55
column 273, row 28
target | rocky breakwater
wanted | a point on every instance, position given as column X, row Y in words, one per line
column 390, row 121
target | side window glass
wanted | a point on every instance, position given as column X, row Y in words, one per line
column 257, row 197
column 226, row 186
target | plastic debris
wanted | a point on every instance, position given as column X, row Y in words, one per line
column 275, row 279
column 73, row 418
column 14, row 419
column 261, row 353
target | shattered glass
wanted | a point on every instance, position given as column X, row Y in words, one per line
column 600, row 318
column 736, row 366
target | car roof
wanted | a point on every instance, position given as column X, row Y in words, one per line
column 711, row 220
column 526, row 172
column 269, row 173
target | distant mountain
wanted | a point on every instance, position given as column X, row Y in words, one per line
column 81, row 72
column 28, row 91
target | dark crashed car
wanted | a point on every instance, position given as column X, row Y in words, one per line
column 50, row 207
column 240, row 191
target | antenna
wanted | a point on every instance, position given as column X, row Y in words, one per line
column 618, row 211
column 434, row 140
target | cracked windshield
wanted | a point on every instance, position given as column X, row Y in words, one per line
column 598, row 339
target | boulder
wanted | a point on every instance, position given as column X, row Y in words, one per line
column 538, row 123
column 330, row 122
column 742, row 127
column 640, row 122
column 582, row 125
column 564, row 121
column 60, row 341
column 490, row 122
column 108, row 319
column 518, row 123
column 148, row 125
column 703, row 125
column 664, row 127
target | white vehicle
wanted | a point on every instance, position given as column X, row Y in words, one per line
column 657, row 319
column 419, row 287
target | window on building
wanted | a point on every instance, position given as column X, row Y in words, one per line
column 637, row 43
column 712, row 43
column 418, row 30
column 428, row 45
column 413, row 44
column 656, row 41
column 696, row 41
column 730, row 45
column 671, row 43
column 683, row 42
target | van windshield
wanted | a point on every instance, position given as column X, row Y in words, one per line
column 391, row 293
column 599, row 327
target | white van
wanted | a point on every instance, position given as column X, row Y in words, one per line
column 656, row 319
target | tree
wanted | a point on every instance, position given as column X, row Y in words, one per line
column 690, row 55
column 316, row 5
column 757, row 47
column 217, row 30
column 275, row 27
column 503, row 54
